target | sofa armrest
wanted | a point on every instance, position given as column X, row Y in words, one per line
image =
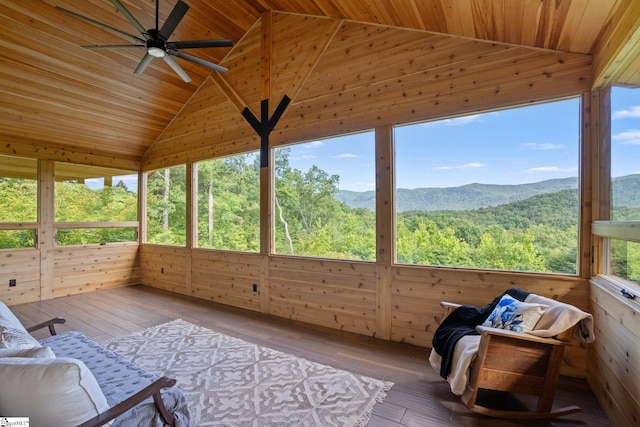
column 49, row 323
column 152, row 389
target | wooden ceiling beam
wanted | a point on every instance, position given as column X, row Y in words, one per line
column 618, row 46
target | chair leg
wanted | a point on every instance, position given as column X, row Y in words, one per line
column 525, row 415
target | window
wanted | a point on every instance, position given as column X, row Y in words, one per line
column 229, row 203
column 325, row 198
column 624, row 254
column 19, row 201
column 496, row 190
column 105, row 197
column 166, row 206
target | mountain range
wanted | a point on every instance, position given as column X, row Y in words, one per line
column 626, row 192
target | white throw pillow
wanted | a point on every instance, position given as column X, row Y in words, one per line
column 12, row 333
column 34, row 353
column 515, row 315
column 51, row 392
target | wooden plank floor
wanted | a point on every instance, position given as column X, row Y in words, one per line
column 419, row 396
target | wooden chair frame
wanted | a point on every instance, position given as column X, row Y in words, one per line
column 152, row 389
column 518, row 363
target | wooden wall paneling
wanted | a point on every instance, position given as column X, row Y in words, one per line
column 24, row 266
column 164, row 267
column 514, row 77
column 34, row 149
column 298, row 42
column 46, row 233
column 246, row 65
column 226, row 278
column 586, row 176
column 418, row 290
column 600, row 164
column 267, row 231
column 614, row 373
column 80, row 269
column 333, row 293
column 385, row 228
column 266, row 63
column 191, row 222
column 209, row 126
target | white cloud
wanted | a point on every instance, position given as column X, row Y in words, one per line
column 630, row 137
column 345, row 156
column 465, row 166
column 546, row 146
column 315, row 143
column 308, row 157
column 633, row 112
column 551, row 169
column 460, row 121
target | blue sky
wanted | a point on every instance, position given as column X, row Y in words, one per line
column 514, row 146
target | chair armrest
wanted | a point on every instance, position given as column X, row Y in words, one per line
column 49, row 323
column 152, row 389
column 523, row 336
column 448, row 307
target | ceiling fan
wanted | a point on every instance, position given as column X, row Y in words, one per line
column 156, row 41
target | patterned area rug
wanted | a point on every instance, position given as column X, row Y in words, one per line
column 231, row 382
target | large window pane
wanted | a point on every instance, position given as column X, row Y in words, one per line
column 88, row 194
column 94, row 194
column 625, row 260
column 229, row 203
column 325, row 198
column 496, row 190
column 15, row 239
column 625, row 154
column 18, row 189
column 166, row 206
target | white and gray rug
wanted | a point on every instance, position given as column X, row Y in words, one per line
column 231, row 382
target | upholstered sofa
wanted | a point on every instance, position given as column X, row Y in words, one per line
column 69, row 380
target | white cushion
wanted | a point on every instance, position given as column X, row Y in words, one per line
column 515, row 315
column 34, row 353
column 12, row 333
column 51, row 392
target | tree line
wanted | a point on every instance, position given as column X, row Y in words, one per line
column 538, row 234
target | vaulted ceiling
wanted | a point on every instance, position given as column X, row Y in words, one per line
column 56, row 94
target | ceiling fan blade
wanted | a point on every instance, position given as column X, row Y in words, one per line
column 146, row 59
column 196, row 44
column 176, row 15
column 177, row 68
column 130, row 18
column 100, row 24
column 198, row 61
column 112, row 46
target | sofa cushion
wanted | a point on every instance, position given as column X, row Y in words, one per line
column 12, row 333
column 50, row 392
column 34, row 353
column 515, row 315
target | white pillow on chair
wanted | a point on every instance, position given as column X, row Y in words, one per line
column 34, row 353
column 12, row 333
column 515, row 315
column 50, row 392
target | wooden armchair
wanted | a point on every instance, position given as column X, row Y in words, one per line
column 152, row 389
column 516, row 362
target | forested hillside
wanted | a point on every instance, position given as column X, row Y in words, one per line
column 531, row 227
column 626, row 192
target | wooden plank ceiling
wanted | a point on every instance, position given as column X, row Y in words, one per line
column 55, row 94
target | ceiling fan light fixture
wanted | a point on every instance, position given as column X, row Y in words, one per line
column 156, row 52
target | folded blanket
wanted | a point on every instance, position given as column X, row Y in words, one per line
column 559, row 317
